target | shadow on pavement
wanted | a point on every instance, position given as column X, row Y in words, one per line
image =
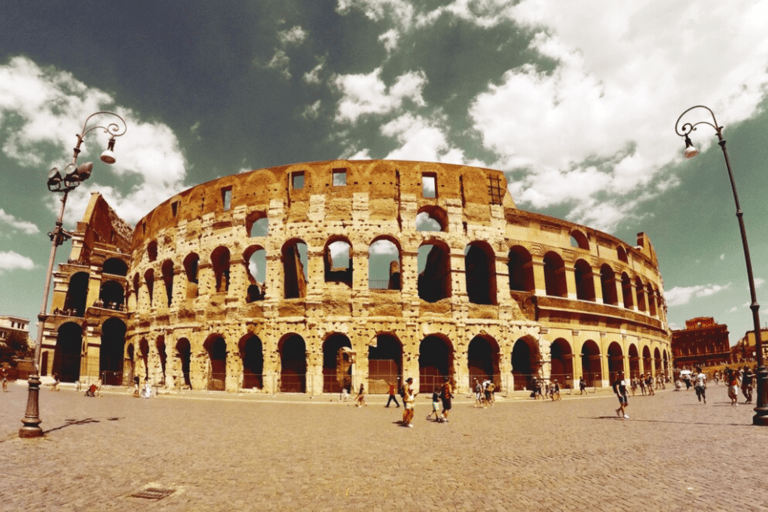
column 635, row 420
column 69, row 423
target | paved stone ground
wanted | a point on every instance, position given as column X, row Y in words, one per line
column 230, row 452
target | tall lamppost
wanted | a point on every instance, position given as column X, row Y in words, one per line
column 64, row 182
column 684, row 130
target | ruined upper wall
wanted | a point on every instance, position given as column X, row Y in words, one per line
column 384, row 182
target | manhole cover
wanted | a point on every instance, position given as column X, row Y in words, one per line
column 153, row 493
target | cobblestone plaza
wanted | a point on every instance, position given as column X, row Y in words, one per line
column 218, row 451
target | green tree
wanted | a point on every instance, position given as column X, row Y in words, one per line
column 16, row 345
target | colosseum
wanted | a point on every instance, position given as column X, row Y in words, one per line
column 313, row 277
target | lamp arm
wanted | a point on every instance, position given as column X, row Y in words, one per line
column 686, row 128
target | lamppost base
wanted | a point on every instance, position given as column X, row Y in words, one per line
column 761, row 411
column 760, row 418
column 32, row 419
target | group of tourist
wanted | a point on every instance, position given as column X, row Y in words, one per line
column 547, row 390
column 443, row 396
column 734, row 380
column 485, row 393
column 646, row 383
column 116, row 306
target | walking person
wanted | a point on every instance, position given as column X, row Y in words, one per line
column 446, row 393
column 620, row 388
column 478, row 394
column 435, row 407
column 392, row 397
column 582, row 386
column 360, row 398
column 555, row 391
column 746, row 384
column 732, row 379
column 408, row 401
column 700, row 385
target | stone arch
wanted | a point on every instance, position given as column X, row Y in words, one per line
column 252, row 354
column 621, row 254
column 115, row 266
column 579, row 239
column 520, row 266
column 483, row 360
column 647, row 366
column 111, row 294
column 111, row 351
column 257, row 224
column 184, row 356
column 167, row 271
column 255, row 263
column 615, row 360
column 590, row 364
column 640, row 289
column 651, row 300
column 144, row 355
column 385, row 362
column 608, row 285
column 554, row 275
column 66, row 355
column 191, row 263
column 216, row 347
column 149, row 279
column 435, row 362
column 525, row 362
column 657, row 361
column 626, row 291
column 337, row 258
column 77, row 294
column 431, row 218
column 480, row 273
column 634, row 361
column 162, row 356
column 561, row 361
column 294, row 254
column 152, row 250
column 220, row 262
column 336, row 375
column 136, row 284
column 585, row 281
column 434, row 281
column 384, row 264
column 293, row 364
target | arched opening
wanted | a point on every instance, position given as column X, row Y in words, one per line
column 336, row 374
column 634, row 362
column 520, row 266
column 255, row 261
column 384, row 265
column 252, row 355
column 647, row 367
column 184, row 356
column 554, row 275
column 152, row 250
column 66, row 355
column 480, row 273
column 190, row 268
column 585, row 281
column 640, row 294
column 385, row 363
column 160, row 346
column 257, row 224
column 561, row 361
column 220, row 262
column 615, row 360
column 525, row 363
column 590, row 364
column 608, row 285
column 294, row 254
column 483, row 361
column 626, row 291
column 149, row 278
column 435, row 362
column 579, row 239
column 338, row 261
column 434, row 268
column 111, row 352
column 431, row 218
column 144, row 355
column 167, row 270
column 621, row 253
column 293, row 364
column 651, row 300
column 111, row 295
column 115, row 266
column 217, row 358
column 77, row 293
column 656, row 362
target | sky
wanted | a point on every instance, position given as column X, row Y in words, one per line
column 575, row 101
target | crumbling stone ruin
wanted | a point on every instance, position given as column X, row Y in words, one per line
column 316, row 276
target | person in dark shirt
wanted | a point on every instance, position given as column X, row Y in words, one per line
column 620, row 388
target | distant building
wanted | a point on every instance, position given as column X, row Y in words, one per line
column 744, row 350
column 9, row 324
column 702, row 342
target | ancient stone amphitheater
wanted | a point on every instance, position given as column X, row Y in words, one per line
column 316, row 276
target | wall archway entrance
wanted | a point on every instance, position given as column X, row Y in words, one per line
column 111, row 352
column 435, row 362
column 293, row 364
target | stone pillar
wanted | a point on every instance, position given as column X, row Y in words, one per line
column 539, row 278
column 570, row 281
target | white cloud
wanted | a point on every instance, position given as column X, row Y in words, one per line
column 389, row 38
column 382, row 248
column 367, row 94
column 10, row 260
column 311, row 111
column 680, row 295
column 17, row 224
column 295, row 35
column 45, row 107
column 280, row 62
column 420, row 139
column 399, row 10
column 313, row 77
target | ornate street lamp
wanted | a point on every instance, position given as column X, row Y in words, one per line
column 761, row 411
column 57, row 182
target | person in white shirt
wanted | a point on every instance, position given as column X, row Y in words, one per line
column 700, row 385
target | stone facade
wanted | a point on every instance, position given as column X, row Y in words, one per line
column 313, row 276
column 703, row 342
